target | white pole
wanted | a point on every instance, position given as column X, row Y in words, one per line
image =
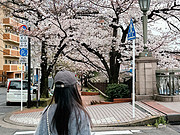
column 133, row 98
column 21, row 87
column 39, row 75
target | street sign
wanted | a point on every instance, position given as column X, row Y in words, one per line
column 23, row 52
column 23, row 41
column 23, row 60
column 24, row 27
column 131, row 31
column 131, row 36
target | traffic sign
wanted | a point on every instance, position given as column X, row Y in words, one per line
column 131, row 31
column 23, row 26
column 23, row 52
column 23, row 60
column 23, row 41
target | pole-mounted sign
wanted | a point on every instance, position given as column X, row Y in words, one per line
column 131, row 31
column 23, row 52
column 131, row 36
column 23, row 39
column 23, row 44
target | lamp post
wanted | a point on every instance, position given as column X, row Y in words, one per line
column 144, row 5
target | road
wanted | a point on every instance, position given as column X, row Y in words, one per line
column 10, row 129
column 3, row 108
column 5, row 128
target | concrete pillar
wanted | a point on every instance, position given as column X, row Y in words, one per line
column 146, row 78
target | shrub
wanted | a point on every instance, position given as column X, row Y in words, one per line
column 117, row 91
column 161, row 120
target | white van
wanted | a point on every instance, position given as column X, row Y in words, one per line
column 14, row 91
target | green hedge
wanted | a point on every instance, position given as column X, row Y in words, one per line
column 117, row 91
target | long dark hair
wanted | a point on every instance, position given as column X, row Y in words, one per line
column 67, row 99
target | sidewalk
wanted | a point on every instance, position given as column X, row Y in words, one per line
column 119, row 114
column 101, row 115
column 170, row 109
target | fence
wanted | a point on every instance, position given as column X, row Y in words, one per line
column 168, row 81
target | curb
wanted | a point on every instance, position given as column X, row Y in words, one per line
column 7, row 120
column 142, row 122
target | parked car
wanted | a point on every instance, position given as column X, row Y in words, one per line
column 14, row 91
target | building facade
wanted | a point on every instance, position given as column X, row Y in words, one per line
column 9, row 46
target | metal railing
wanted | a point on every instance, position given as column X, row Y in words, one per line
column 168, row 81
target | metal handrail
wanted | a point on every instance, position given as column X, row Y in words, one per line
column 98, row 90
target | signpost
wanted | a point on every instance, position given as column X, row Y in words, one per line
column 23, row 41
column 132, row 36
column 23, row 59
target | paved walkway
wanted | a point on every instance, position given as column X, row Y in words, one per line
column 165, row 107
column 108, row 114
column 119, row 114
column 101, row 115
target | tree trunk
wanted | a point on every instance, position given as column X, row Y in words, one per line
column 44, row 83
column 44, row 73
column 114, row 56
column 114, row 66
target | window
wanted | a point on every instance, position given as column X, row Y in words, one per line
column 17, row 85
column 5, row 61
column 17, row 75
column 13, row 47
column 14, row 62
column 6, row 46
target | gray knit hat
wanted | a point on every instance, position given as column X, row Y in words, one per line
column 66, row 77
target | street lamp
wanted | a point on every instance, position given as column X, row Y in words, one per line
column 144, row 5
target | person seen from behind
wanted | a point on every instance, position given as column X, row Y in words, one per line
column 66, row 116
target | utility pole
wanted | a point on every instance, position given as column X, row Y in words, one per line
column 29, row 73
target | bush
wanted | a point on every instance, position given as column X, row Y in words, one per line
column 161, row 120
column 117, row 91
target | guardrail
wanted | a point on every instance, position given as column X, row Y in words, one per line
column 168, row 82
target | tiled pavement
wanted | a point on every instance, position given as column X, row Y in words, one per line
column 163, row 108
column 172, row 105
column 28, row 119
column 122, row 132
column 110, row 114
column 121, row 113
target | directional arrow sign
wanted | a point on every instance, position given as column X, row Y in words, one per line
column 23, row 52
column 131, row 31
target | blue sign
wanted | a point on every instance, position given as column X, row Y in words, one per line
column 23, row 52
column 131, row 31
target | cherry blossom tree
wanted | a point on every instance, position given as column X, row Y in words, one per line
column 93, row 33
column 100, row 40
column 50, row 22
